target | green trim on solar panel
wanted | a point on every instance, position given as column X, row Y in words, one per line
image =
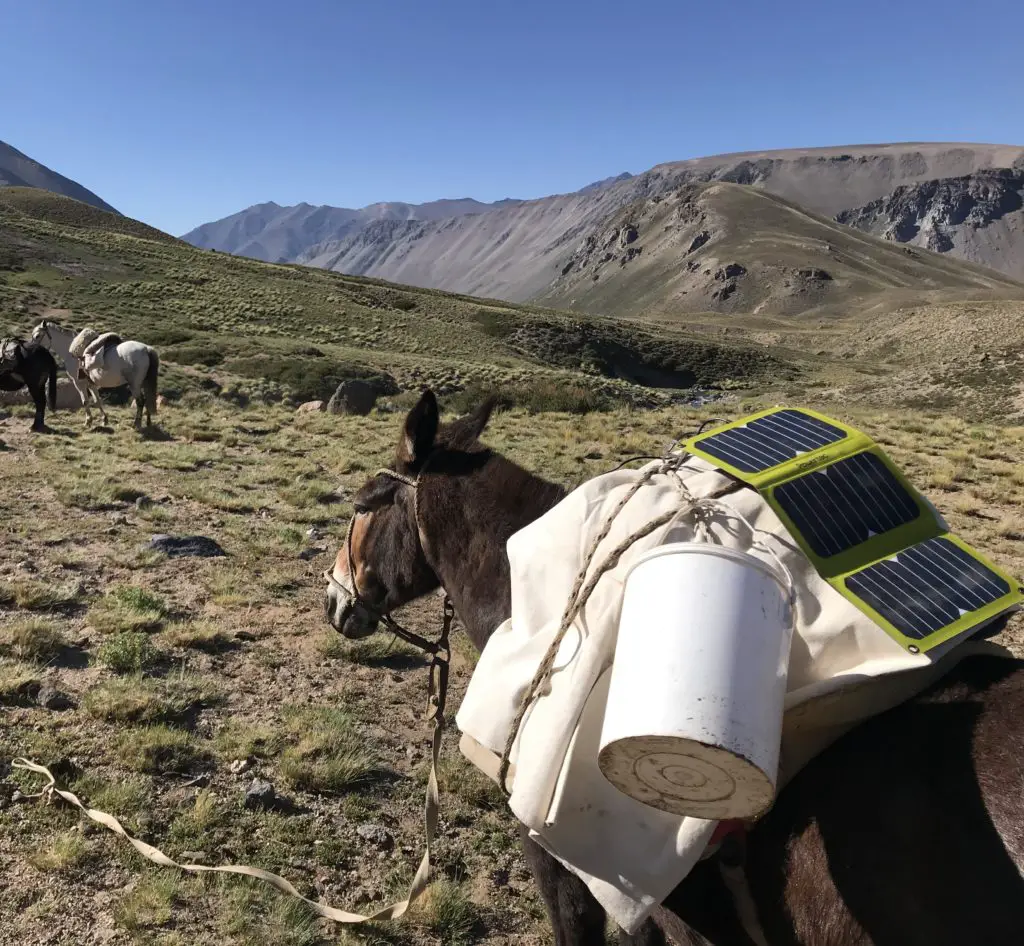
column 776, row 444
column 921, row 637
column 861, row 522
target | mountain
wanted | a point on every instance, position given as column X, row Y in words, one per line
column 514, row 253
column 273, row 233
column 977, row 217
column 735, row 249
column 514, row 250
column 19, row 170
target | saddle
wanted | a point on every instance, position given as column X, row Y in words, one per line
column 88, row 344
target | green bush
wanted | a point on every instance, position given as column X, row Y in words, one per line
column 195, row 353
column 310, row 379
column 542, row 397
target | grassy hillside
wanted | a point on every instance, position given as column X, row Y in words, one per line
column 281, row 331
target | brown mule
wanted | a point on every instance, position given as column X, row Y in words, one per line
column 908, row 831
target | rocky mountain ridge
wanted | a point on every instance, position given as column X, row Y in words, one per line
column 19, row 170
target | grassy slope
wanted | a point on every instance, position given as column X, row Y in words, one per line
column 258, row 321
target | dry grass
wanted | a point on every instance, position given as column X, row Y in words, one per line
column 33, row 639
column 328, row 754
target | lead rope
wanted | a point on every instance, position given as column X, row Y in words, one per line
column 437, row 695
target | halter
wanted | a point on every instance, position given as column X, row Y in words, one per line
column 434, row 648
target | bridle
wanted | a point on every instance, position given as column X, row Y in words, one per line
column 439, row 650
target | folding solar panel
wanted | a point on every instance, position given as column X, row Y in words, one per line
column 865, row 528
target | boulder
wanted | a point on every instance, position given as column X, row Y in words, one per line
column 310, row 407
column 353, row 397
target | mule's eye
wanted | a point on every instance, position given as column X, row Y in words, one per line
column 360, row 508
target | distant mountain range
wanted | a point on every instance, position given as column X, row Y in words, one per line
column 19, row 170
column 517, row 249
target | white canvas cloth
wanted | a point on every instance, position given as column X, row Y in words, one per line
column 630, row 855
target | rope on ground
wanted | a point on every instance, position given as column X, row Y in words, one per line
column 437, row 694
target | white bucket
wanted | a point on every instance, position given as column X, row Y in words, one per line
column 693, row 722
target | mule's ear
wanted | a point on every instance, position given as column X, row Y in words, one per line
column 378, row 492
column 419, row 432
column 474, row 424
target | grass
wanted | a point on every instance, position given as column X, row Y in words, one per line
column 128, row 608
column 374, row 651
column 17, row 681
column 33, row 639
column 151, row 903
column 241, row 740
column 158, row 749
column 33, row 595
column 128, row 652
column 66, row 852
column 327, row 754
column 197, row 635
column 447, row 913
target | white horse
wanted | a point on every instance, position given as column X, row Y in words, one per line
column 107, row 362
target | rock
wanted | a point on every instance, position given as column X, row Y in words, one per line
column 143, row 502
column 376, row 835
column 186, row 545
column 26, row 566
column 245, row 636
column 815, row 273
column 312, row 552
column 239, row 766
column 698, row 241
column 313, row 533
column 352, row 397
column 161, row 402
column 260, row 795
column 49, row 697
column 628, row 235
column 310, row 407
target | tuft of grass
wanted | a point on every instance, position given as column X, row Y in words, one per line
column 329, row 755
column 32, row 595
column 128, row 608
column 370, row 651
column 157, row 749
column 1011, row 527
column 34, row 639
column 446, row 911
column 197, row 635
column 239, row 740
column 128, row 652
column 151, row 903
column 190, row 827
column 126, row 700
column 64, row 853
column 17, row 682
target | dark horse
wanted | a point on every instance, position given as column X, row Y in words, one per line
column 908, row 831
column 26, row 364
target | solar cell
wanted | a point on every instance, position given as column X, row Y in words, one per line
column 768, row 441
column 927, row 587
column 846, row 503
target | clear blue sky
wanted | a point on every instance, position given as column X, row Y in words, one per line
column 182, row 112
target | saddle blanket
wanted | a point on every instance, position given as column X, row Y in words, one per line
column 843, row 669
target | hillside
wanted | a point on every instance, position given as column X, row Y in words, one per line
column 735, row 249
column 977, row 217
column 61, row 211
column 513, row 252
column 275, row 234
column 253, row 330
column 19, row 170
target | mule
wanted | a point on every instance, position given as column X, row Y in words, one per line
column 908, row 831
column 126, row 362
column 29, row 365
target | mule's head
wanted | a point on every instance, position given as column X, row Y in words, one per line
column 384, row 560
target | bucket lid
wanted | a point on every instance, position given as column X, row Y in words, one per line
column 707, row 548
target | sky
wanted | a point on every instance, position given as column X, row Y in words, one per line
column 178, row 113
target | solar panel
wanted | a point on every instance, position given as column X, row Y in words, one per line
column 846, row 503
column 927, row 587
column 767, row 441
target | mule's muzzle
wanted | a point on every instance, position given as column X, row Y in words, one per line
column 346, row 614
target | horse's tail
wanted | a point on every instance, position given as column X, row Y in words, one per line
column 149, row 383
column 53, row 383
